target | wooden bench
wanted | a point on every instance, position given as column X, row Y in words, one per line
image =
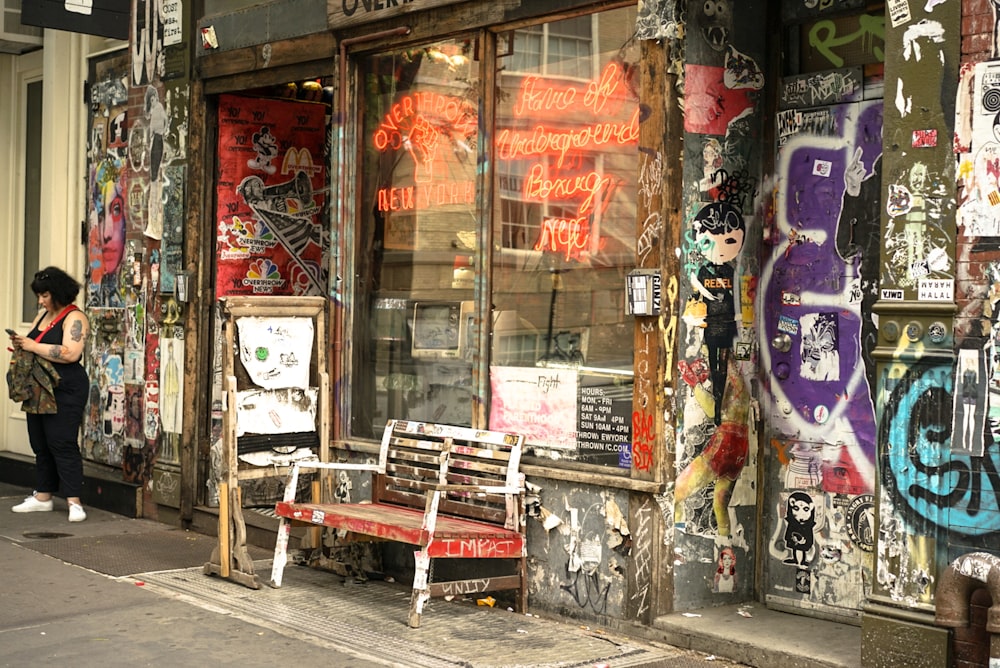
column 455, row 492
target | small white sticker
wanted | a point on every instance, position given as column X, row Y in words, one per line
column 821, row 414
column 899, row 12
column 936, row 290
column 822, row 168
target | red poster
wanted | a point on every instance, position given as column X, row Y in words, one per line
column 710, row 105
column 271, row 194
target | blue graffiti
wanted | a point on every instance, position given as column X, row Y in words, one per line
column 941, row 488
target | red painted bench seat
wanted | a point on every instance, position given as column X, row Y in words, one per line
column 454, row 537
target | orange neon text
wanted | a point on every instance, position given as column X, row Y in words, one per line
column 514, row 144
column 412, row 198
column 460, row 115
column 591, row 184
column 534, row 96
column 569, row 236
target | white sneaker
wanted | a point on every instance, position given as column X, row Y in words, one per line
column 33, row 505
column 77, row 513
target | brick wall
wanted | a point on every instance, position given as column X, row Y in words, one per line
column 977, row 30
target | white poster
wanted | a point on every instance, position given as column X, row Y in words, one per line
column 276, row 352
column 539, row 403
column 284, row 411
column 171, row 385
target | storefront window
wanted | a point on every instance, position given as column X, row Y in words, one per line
column 566, row 143
column 561, row 220
column 416, row 237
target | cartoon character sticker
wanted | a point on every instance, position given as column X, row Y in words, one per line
column 266, row 147
column 800, row 525
column 719, row 232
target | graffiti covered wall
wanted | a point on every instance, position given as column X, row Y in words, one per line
column 818, row 285
column 714, row 493
column 136, row 183
column 924, row 493
column 816, row 345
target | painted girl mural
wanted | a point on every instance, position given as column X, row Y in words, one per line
column 107, row 236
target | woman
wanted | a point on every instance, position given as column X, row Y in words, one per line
column 58, row 336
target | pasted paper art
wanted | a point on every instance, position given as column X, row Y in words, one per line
column 276, row 352
column 271, row 193
column 284, row 411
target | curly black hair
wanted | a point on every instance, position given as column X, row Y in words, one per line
column 62, row 287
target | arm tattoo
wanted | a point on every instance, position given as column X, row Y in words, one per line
column 56, row 352
column 76, row 330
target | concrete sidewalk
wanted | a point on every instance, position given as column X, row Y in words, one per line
column 114, row 590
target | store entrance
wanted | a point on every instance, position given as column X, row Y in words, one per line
column 819, row 282
column 272, row 239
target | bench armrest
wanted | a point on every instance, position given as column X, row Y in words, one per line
column 293, row 477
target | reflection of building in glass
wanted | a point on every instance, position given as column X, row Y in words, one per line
column 559, row 206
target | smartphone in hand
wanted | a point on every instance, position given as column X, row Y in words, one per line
column 11, row 331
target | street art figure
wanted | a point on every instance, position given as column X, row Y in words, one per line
column 719, row 232
column 858, row 243
column 157, row 125
column 712, row 174
column 715, row 21
column 107, row 239
column 820, row 347
column 800, row 524
column 915, row 216
column 725, row 572
column 919, row 203
column 723, row 458
column 969, row 426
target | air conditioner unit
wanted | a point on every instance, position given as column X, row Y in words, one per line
column 16, row 37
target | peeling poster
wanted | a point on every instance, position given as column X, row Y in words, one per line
column 276, row 352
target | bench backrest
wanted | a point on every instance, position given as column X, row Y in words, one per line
column 417, row 456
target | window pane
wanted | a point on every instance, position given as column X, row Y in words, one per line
column 416, row 237
column 32, row 196
column 566, row 141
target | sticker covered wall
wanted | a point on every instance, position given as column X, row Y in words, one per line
column 271, row 193
column 818, row 284
column 716, row 400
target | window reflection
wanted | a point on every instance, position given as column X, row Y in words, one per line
column 567, row 131
column 562, row 224
column 416, row 237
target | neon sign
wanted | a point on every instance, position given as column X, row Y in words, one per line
column 591, row 184
column 431, row 126
column 569, row 236
column 609, row 87
column 514, row 144
column 427, row 110
column 553, row 179
column 412, row 198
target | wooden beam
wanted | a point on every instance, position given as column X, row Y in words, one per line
column 200, row 292
column 263, row 57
